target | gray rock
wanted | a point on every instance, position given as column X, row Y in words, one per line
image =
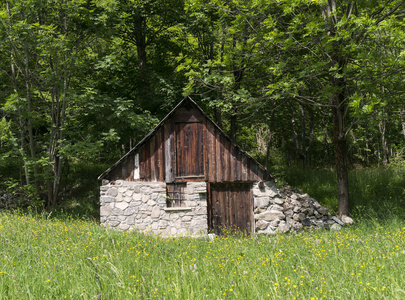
column 297, row 226
column 288, row 206
column 112, row 192
column 306, row 222
column 347, row 219
column 278, row 201
column 106, row 199
column 335, row 227
column 121, row 205
column 105, row 210
column 276, row 207
column 323, row 211
column 274, row 223
column 284, row 228
column 155, row 212
column 337, row 220
column 129, row 211
column 289, row 213
column 261, row 225
column 270, row 215
column 261, row 202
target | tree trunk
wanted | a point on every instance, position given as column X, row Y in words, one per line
column 339, row 141
column 233, row 128
column 28, row 87
column 140, row 38
column 384, row 146
column 16, row 91
column 294, row 136
column 325, row 141
column 311, row 137
column 268, row 150
column 303, row 135
column 402, row 122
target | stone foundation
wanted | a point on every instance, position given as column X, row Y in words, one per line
column 142, row 205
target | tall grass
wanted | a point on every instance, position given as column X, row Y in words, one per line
column 375, row 193
column 48, row 258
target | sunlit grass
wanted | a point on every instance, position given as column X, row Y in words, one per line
column 44, row 258
column 375, row 193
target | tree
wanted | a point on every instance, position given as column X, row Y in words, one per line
column 45, row 41
column 332, row 60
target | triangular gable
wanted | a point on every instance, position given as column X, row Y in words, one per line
column 210, row 123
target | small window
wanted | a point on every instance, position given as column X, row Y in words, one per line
column 176, row 195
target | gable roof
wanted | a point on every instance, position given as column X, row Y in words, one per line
column 187, row 99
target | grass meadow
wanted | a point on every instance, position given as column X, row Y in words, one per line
column 48, row 256
column 66, row 258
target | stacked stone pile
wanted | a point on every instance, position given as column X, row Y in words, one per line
column 292, row 210
column 13, row 200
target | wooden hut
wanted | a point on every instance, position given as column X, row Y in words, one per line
column 186, row 177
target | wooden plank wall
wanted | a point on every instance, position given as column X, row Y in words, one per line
column 221, row 160
column 230, row 206
column 226, row 163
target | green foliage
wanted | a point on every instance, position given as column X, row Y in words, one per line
column 83, row 81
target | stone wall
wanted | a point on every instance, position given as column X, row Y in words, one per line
column 142, row 206
column 287, row 209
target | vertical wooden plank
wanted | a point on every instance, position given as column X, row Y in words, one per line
column 218, row 211
column 162, row 155
column 157, row 154
column 233, row 163
column 226, row 175
column 218, row 157
column 205, row 154
column 152, row 158
column 211, row 152
column 173, row 148
column 201, row 144
column 184, row 140
column 242, row 208
column 231, row 200
column 124, row 169
column 141, row 163
column 193, row 150
column 194, row 158
column 237, row 165
column 168, row 154
column 244, row 167
column 131, row 168
column 224, row 207
column 178, row 137
column 249, row 169
column 137, row 174
column 260, row 173
column 253, row 168
column 147, row 162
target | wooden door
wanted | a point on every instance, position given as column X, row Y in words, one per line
column 189, row 150
column 230, row 207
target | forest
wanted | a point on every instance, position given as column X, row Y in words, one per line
column 312, row 84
